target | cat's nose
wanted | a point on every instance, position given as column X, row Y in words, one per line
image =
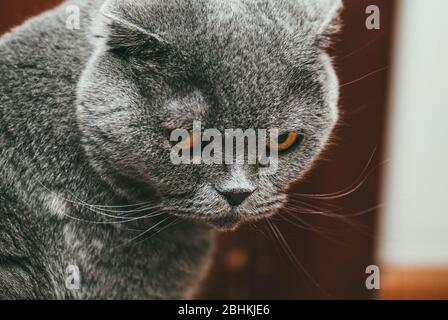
column 235, row 197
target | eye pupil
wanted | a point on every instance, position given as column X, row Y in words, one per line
column 287, row 141
column 189, row 143
column 282, row 139
column 193, row 139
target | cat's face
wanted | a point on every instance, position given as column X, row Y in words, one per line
column 228, row 64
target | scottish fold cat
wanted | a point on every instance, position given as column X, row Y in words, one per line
column 91, row 206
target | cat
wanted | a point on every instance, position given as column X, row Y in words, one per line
column 90, row 205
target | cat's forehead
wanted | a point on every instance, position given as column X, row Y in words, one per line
column 181, row 111
column 188, row 22
column 251, row 60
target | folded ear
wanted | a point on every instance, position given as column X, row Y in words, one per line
column 125, row 37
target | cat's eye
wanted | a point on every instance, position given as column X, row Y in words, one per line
column 190, row 142
column 286, row 141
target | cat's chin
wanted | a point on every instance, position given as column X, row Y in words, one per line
column 227, row 220
column 233, row 221
column 227, row 223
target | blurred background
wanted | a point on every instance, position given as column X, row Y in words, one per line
column 377, row 196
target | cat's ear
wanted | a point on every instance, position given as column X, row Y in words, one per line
column 126, row 38
column 323, row 15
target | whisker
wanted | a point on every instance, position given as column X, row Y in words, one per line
column 290, row 254
column 368, row 44
column 346, row 218
column 102, row 212
column 332, row 214
column 148, row 230
column 356, row 185
column 364, row 77
column 319, row 231
column 142, row 208
column 151, row 215
column 257, row 229
column 369, row 161
column 318, row 211
column 123, row 206
column 175, row 221
column 305, row 225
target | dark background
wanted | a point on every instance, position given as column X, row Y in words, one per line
column 252, row 263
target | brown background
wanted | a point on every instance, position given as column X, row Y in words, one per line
column 251, row 263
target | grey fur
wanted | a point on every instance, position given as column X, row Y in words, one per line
column 84, row 117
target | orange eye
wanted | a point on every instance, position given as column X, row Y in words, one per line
column 285, row 141
column 190, row 142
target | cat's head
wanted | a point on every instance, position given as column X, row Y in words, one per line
column 238, row 64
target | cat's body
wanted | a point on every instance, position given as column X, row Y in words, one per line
column 40, row 144
column 53, row 167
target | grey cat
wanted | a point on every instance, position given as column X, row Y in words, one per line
column 91, row 206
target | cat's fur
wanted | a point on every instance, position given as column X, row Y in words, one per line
column 84, row 120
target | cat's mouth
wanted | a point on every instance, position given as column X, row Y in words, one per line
column 229, row 222
column 226, row 221
column 230, row 219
